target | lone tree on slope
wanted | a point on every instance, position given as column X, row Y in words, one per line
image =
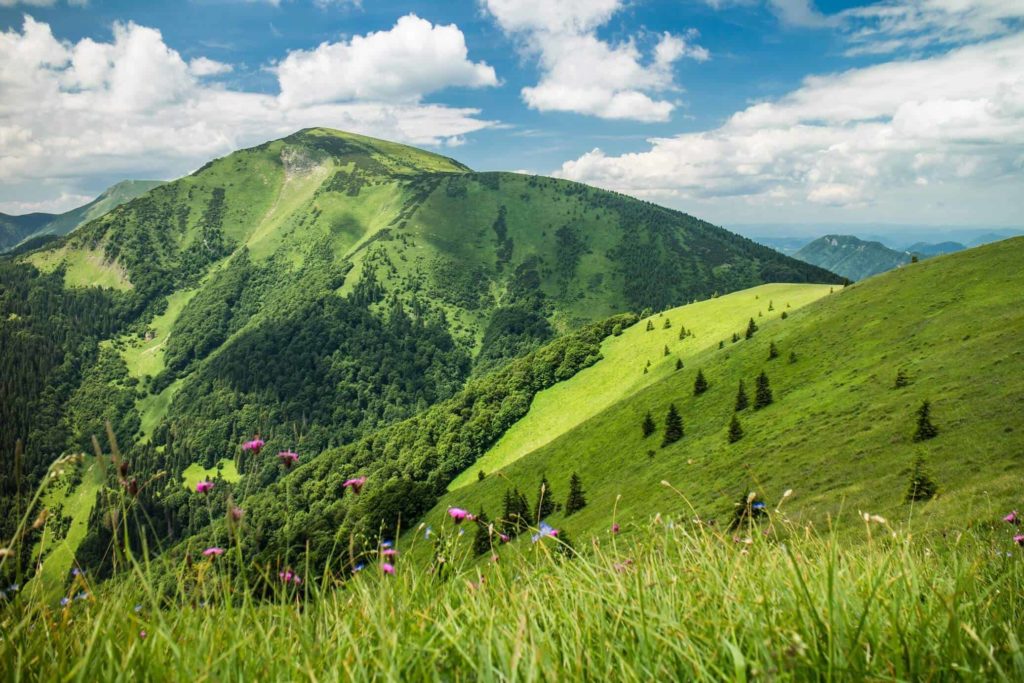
column 576, row 500
column 741, row 398
column 751, row 328
column 673, row 426
column 763, row 395
column 921, row 485
column 700, row 384
column 735, row 429
column 925, row 429
column 648, row 425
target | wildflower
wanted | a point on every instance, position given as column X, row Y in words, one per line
column 387, row 544
column 288, row 577
column 143, row 634
column 254, row 446
column 75, row 571
column 615, row 528
column 13, row 588
column 1019, row 539
column 204, row 486
column 237, row 513
column 213, row 552
column 428, row 532
column 458, row 514
column 758, row 506
column 355, row 484
column 288, row 458
column 64, row 601
column 1012, row 518
column 544, row 530
column 358, row 568
column 82, row 596
column 137, row 608
column 505, row 538
column 389, row 552
column 387, row 568
column 462, row 532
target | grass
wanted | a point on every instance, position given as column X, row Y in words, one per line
column 85, row 268
column 147, row 357
column 838, row 432
column 665, row 600
column 620, row 373
column 224, row 469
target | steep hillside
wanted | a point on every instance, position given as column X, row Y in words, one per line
column 851, row 257
column 839, row 433
column 36, row 229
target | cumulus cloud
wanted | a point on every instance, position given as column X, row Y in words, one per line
column 133, row 107
column 583, row 74
column 952, row 120
column 403, row 64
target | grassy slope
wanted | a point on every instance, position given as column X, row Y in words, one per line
column 85, row 267
column 224, row 469
column 838, row 433
column 620, row 373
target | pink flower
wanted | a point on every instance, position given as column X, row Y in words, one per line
column 213, row 552
column 254, row 446
column 505, row 538
column 143, row 634
column 204, row 486
column 288, row 458
column 458, row 514
column 237, row 513
column 1012, row 518
column 355, row 484
column 389, row 552
column 1019, row 539
column 288, row 577
column 615, row 528
column 387, row 568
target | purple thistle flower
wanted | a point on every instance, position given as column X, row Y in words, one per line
column 254, row 446
column 213, row 552
column 288, row 458
column 387, row 568
column 458, row 514
column 1012, row 518
column 355, row 484
column 389, row 552
column 505, row 538
column 143, row 634
column 204, row 486
column 1019, row 539
column 237, row 513
column 615, row 528
column 288, row 577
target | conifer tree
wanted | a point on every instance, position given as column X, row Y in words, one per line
column 792, row 357
column 666, row 350
column 667, row 325
column 921, row 485
column 482, row 538
column 784, row 315
column 763, row 394
column 925, row 429
column 751, row 328
column 545, row 500
column 771, row 306
column 902, row 379
column 773, row 352
column 735, row 337
column 648, row 425
column 576, row 500
column 682, row 332
column 741, row 398
column 522, row 512
column 700, row 384
column 735, row 429
column 679, row 363
column 673, row 426
column 507, row 513
column 481, row 475
column 721, row 344
column 650, row 325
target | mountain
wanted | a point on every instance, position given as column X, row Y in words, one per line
column 839, row 432
column 851, row 257
column 38, row 228
column 926, row 249
column 319, row 288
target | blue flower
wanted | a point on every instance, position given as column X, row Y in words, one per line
column 138, row 608
column 758, row 506
column 358, row 568
column 386, row 544
column 64, row 601
column 428, row 532
column 545, row 530
column 82, row 596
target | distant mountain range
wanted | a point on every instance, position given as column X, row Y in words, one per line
column 35, row 229
column 851, row 257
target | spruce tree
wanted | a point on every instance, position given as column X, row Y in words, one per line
column 481, row 475
column 773, row 352
column 545, row 500
column 902, row 379
column 784, row 315
column 679, row 363
column 751, row 328
column 673, row 426
column 682, row 332
column 482, row 539
column 741, row 398
column 771, row 306
column 666, row 350
column 667, row 325
column 735, row 337
column 507, row 520
column 650, row 325
column 792, row 357
column 576, row 500
column 763, row 394
column 735, row 429
column 721, row 344
column 700, row 385
column 925, row 429
column 648, row 425
column 921, row 485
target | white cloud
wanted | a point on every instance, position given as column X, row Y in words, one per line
column 132, row 107
column 403, row 64
column 582, row 73
column 950, row 125
column 203, row 66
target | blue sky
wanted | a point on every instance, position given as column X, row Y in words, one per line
column 739, row 111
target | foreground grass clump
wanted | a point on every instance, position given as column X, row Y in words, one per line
column 671, row 600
